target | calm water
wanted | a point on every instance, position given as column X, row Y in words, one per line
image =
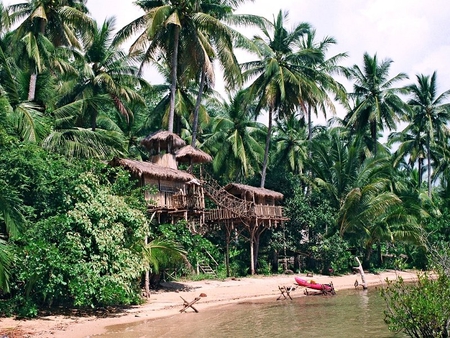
column 351, row 313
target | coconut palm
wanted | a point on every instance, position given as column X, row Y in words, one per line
column 185, row 104
column 47, row 24
column 278, row 77
column 430, row 115
column 374, row 205
column 410, row 148
column 25, row 119
column 160, row 28
column 321, row 70
column 106, row 79
column 62, row 22
column 235, row 140
column 191, row 35
column 290, row 137
column 378, row 104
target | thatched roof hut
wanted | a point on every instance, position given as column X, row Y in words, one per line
column 163, row 140
column 140, row 169
column 190, row 154
column 250, row 193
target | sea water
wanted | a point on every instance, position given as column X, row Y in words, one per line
column 348, row 314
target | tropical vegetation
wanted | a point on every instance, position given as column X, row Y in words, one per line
column 371, row 183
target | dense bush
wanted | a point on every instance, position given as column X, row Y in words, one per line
column 420, row 309
column 82, row 244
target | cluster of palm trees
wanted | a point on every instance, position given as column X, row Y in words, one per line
column 67, row 84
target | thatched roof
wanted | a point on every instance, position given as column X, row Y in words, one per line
column 192, row 155
column 140, row 168
column 236, row 188
column 163, row 140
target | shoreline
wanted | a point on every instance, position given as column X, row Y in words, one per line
column 168, row 302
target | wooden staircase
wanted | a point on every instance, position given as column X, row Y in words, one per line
column 224, row 199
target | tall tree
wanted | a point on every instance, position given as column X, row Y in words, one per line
column 430, row 114
column 378, row 104
column 106, row 77
column 321, row 70
column 48, row 23
column 235, row 140
column 190, row 35
column 159, row 29
column 290, row 136
column 277, row 76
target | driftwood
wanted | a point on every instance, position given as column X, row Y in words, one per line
column 361, row 272
column 187, row 305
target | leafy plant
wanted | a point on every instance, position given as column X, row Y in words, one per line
column 421, row 309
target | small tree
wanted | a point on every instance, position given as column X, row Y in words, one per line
column 421, row 309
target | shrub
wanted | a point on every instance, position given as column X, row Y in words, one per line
column 419, row 309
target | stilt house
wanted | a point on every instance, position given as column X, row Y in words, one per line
column 176, row 193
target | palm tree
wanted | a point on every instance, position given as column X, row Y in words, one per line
column 373, row 206
column 106, row 78
column 25, row 119
column 235, row 140
column 334, row 162
column 159, row 252
column 290, row 137
column 161, row 25
column 47, row 24
column 377, row 102
column 321, row 71
column 277, row 76
column 430, row 115
column 185, row 104
column 410, row 147
column 191, row 35
column 11, row 223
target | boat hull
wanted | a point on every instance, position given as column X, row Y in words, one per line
column 313, row 285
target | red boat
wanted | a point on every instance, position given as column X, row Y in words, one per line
column 314, row 285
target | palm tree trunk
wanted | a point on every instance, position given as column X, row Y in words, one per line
column 420, row 172
column 197, row 107
column 373, row 127
column 309, row 150
column 173, row 86
column 227, row 258
column 32, row 88
column 266, row 151
column 429, row 164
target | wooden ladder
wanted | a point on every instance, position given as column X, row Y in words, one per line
column 206, row 269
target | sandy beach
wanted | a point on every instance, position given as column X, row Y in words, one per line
column 168, row 302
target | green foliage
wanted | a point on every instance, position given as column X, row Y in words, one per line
column 331, row 253
column 89, row 256
column 420, row 309
column 84, row 235
column 195, row 245
column 316, row 218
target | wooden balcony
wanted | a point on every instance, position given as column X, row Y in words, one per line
column 269, row 212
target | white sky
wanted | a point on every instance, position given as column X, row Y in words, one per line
column 415, row 34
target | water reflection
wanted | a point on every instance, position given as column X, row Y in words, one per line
column 351, row 313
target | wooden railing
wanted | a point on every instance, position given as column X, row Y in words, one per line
column 224, row 199
column 268, row 211
column 260, row 211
